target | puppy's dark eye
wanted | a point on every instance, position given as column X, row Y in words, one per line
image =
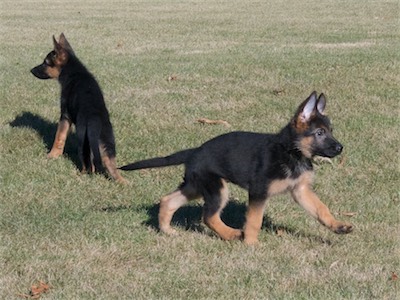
column 320, row 132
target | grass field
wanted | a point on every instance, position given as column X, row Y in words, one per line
column 249, row 63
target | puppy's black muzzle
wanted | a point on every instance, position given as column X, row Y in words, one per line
column 332, row 149
column 40, row 72
column 338, row 148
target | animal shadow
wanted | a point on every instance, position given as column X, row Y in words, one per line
column 189, row 218
column 47, row 131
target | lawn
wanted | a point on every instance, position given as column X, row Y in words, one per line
column 162, row 65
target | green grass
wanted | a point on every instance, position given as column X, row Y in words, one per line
column 90, row 238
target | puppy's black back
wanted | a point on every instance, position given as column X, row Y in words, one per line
column 83, row 103
column 241, row 157
column 80, row 91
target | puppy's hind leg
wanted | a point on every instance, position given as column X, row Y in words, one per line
column 111, row 165
column 170, row 203
column 215, row 199
column 107, row 150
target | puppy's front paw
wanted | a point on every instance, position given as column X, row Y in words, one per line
column 342, row 228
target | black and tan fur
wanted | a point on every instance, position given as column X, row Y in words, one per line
column 82, row 104
column 263, row 164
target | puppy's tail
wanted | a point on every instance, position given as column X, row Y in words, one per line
column 177, row 158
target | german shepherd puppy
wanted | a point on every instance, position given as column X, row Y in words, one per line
column 263, row 164
column 82, row 104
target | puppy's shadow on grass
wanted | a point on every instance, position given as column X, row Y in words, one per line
column 234, row 215
column 47, row 131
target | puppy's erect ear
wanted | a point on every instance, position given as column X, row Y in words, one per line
column 62, row 54
column 321, row 103
column 309, row 107
column 57, row 46
column 65, row 44
column 304, row 113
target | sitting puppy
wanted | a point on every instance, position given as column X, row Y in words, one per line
column 82, row 104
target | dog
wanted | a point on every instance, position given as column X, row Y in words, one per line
column 82, row 104
column 263, row 164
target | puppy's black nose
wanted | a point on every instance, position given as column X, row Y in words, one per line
column 339, row 148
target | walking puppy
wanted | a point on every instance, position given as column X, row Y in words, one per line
column 82, row 104
column 263, row 164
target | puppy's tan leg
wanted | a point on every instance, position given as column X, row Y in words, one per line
column 304, row 195
column 111, row 165
column 254, row 218
column 212, row 214
column 59, row 141
column 169, row 204
column 227, row 233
